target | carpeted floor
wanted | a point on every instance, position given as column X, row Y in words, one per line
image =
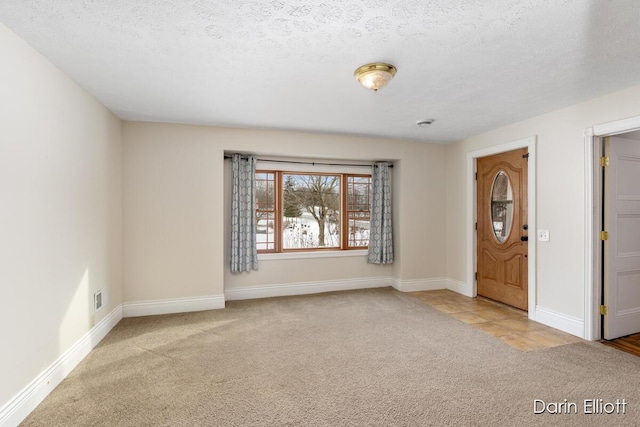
column 357, row 358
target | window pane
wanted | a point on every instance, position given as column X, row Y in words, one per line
column 265, row 231
column 358, row 194
column 311, row 211
column 264, row 191
column 265, row 214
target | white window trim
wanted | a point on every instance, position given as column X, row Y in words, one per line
column 313, row 254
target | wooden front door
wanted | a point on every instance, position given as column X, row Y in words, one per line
column 502, row 227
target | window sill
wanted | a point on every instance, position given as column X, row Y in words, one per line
column 310, row 255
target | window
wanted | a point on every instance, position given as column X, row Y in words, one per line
column 358, row 205
column 265, row 210
column 297, row 211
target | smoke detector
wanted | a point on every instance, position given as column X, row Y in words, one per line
column 425, row 123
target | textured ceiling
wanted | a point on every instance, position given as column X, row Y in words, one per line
column 288, row 64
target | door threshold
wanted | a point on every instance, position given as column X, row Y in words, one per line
column 629, row 344
column 503, row 305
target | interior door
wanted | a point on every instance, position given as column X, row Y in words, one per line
column 622, row 245
column 502, row 228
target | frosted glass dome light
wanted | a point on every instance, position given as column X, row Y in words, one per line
column 375, row 76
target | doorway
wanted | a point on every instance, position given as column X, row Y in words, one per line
column 502, row 228
column 620, row 236
column 472, row 215
column 594, row 138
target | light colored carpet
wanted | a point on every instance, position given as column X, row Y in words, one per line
column 357, row 358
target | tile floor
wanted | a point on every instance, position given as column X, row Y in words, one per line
column 508, row 324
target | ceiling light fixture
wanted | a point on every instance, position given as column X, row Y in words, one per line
column 375, row 76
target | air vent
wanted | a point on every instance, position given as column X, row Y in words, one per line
column 97, row 299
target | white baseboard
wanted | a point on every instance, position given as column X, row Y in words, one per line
column 17, row 409
column 305, row 288
column 432, row 285
column 416, row 285
column 170, row 306
column 568, row 324
column 460, row 287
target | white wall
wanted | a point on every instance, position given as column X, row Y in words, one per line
column 175, row 204
column 560, row 195
column 60, row 214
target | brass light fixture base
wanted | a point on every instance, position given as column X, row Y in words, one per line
column 375, row 76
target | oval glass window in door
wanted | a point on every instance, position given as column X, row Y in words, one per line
column 501, row 206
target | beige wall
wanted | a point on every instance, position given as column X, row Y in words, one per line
column 175, row 204
column 60, row 190
column 173, row 235
column 560, row 194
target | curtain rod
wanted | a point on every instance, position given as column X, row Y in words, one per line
column 309, row 163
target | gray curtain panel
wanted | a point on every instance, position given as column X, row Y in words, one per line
column 381, row 234
column 244, row 255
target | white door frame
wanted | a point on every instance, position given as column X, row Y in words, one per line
column 593, row 218
column 472, row 248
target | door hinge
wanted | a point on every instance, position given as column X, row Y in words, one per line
column 604, row 161
column 603, row 310
column 476, row 275
column 476, row 225
column 604, row 235
column 525, row 156
column 476, row 176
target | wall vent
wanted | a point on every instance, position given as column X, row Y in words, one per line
column 97, row 299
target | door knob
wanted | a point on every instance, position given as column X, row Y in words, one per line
column 524, row 238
